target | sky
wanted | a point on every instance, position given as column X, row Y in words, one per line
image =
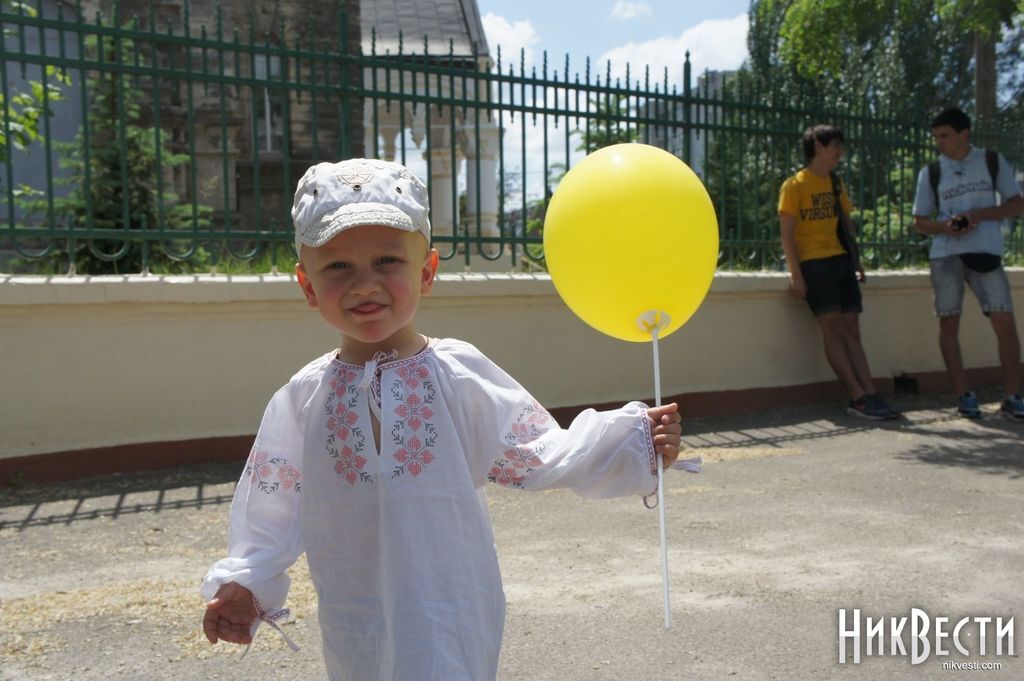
column 656, row 33
column 652, row 32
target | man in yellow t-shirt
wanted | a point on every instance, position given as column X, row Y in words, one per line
column 824, row 269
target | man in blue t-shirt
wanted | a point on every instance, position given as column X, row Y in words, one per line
column 967, row 246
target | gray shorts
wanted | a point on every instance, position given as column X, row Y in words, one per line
column 992, row 289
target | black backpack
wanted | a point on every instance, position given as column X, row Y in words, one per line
column 935, row 173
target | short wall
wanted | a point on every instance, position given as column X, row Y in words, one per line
column 93, row 362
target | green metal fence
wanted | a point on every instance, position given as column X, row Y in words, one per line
column 174, row 147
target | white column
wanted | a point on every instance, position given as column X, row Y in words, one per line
column 387, row 126
column 442, row 210
column 482, row 182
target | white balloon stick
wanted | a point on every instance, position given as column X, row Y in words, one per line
column 661, row 486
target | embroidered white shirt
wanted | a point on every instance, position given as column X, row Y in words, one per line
column 399, row 541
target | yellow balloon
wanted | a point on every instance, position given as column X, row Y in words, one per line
column 631, row 241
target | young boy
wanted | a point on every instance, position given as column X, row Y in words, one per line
column 373, row 457
column 824, row 270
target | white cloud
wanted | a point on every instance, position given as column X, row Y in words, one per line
column 624, row 11
column 716, row 44
column 512, row 37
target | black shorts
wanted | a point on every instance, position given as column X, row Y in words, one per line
column 831, row 285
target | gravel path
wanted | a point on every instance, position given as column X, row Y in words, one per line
column 799, row 512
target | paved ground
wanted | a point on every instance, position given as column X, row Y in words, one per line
column 799, row 512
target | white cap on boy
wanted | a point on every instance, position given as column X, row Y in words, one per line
column 333, row 197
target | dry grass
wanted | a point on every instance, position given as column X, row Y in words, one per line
column 720, row 454
column 172, row 606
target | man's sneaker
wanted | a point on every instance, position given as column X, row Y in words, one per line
column 1013, row 408
column 969, row 405
column 867, row 409
column 890, row 411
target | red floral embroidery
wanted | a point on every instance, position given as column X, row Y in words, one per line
column 414, row 456
column 413, row 435
column 289, row 476
column 523, row 454
column 344, row 440
column 349, row 465
column 342, row 381
column 505, row 477
column 523, row 458
column 413, row 375
column 414, row 411
column 342, row 422
column 263, row 468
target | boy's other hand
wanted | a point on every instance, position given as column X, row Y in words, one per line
column 230, row 614
column 666, row 431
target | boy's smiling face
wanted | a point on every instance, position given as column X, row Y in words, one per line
column 367, row 283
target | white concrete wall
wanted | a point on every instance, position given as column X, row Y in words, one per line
column 98, row 361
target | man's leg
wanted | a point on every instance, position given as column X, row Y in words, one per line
column 948, row 276
column 1005, row 327
column 949, row 344
column 855, row 351
column 992, row 289
column 833, row 332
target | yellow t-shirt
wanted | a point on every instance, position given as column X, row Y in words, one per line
column 810, row 200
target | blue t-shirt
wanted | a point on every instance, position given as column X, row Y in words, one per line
column 965, row 185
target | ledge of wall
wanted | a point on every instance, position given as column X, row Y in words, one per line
column 227, row 288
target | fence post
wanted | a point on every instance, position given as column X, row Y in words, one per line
column 687, row 130
column 351, row 135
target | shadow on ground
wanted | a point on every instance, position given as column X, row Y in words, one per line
column 992, row 445
column 116, row 495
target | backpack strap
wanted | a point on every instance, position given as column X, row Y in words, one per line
column 835, row 192
column 934, row 173
column 992, row 161
column 846, row 240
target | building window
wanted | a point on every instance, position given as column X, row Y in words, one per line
column 269, row 105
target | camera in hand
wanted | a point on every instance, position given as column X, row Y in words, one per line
column 960, row 222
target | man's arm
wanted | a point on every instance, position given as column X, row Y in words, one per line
column 924, row 206
column 925, row 225
column 1010, row 208
column 787, row 228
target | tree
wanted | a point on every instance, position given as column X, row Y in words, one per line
column 120, row 179
column 609, row 124
column 879, row 69
column 897, row 57
column 26, row 110
column 984, row 19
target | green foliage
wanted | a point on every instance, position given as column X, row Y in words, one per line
column 121, row 175
column 863, row 65
column 980, row 16
column 26, row 110
column 268, row 258
column 899, row 58
column 887, row 236
column 609, row 126
column 742, row 171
